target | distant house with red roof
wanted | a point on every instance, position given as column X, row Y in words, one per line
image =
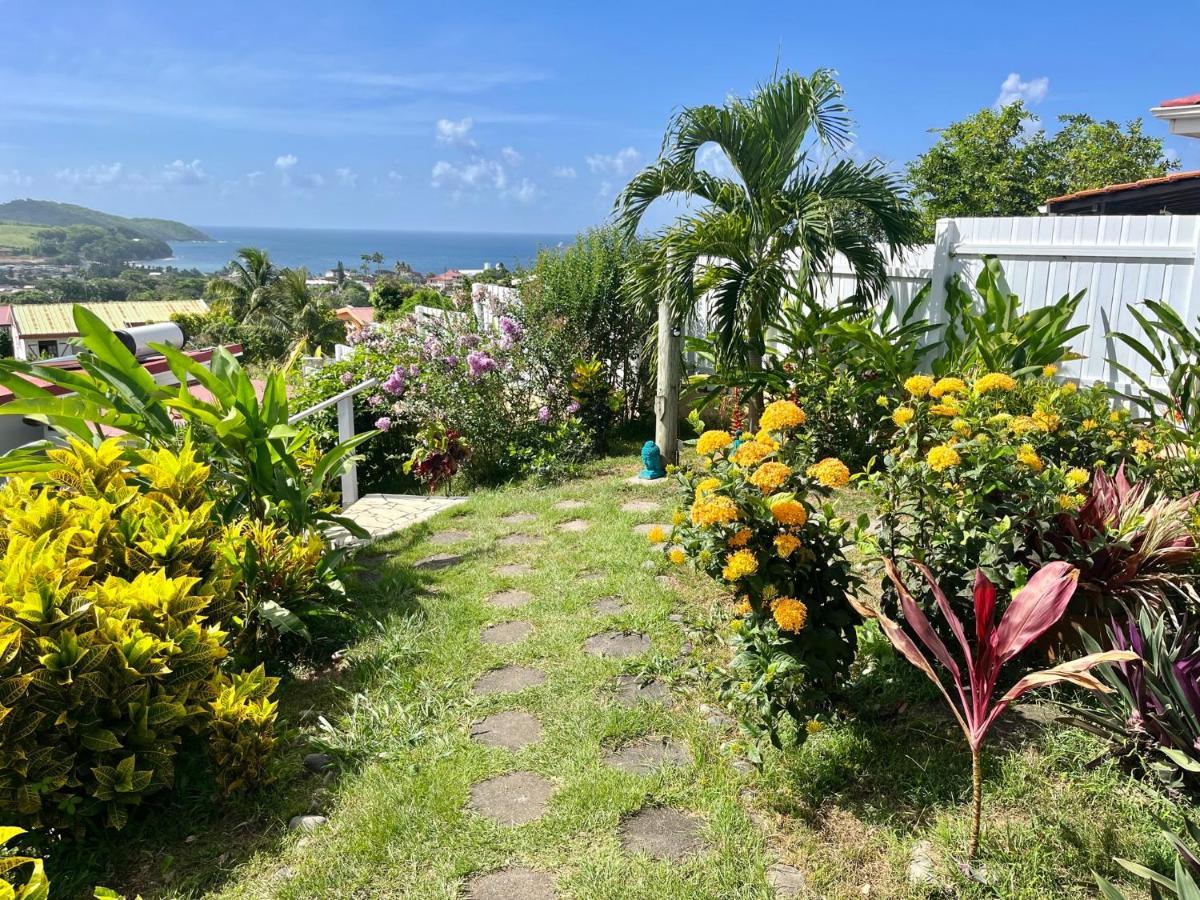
column 447, row 281
column 355, row 317
column 1182, row 114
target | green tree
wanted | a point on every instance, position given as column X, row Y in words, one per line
column 247, row 294
column 310, row 317
column 998, row 162
column 389, row 294
column 771, row 228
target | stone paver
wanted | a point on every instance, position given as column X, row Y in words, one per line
column 512, row 570
column 508, row 678
column 632, row 690
column 509, row 599
column 668, row 581
column 788, row 881
column 575, row 526
column 520, row 539
column 517, row 518
column 648, row 755
column 639, row 506
column 570, row 504
column 506, row 633
column 451, row 536
column 513, row 799
column 384, row 514
column 512, row 730
column 661, row 832
column 438, row 561
column 589, row 575
column 611, row 605
column 510, row 884
column 617, row 644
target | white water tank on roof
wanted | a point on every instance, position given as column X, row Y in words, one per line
column 138, row 338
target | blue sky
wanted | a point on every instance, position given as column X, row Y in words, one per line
column 505, row 116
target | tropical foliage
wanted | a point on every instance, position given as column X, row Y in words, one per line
column 756, row 518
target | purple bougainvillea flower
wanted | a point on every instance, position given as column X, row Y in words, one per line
column 479, row 364
column 383, row 423
column 511, row 330
column 347, row 379
column 394, row 384
column 544, row 415
column 572, row 408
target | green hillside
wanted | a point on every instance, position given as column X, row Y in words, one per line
column 47, row 212
column 18, row 238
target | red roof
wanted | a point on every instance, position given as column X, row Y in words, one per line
column 155, row 365
column 448, row 275
column 1113, row 188
column 5, row 316
column 1189, row 100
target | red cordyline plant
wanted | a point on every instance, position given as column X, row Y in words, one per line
column 1034, row 609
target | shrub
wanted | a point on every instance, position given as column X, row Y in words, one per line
column 110, row 651
column 980, row 468
column 16, row 884
column 757, row 522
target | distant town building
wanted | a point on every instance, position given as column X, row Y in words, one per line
column 41, row 330
column 448, row 281
column 355, row 317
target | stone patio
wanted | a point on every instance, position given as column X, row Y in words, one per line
column 382, row 515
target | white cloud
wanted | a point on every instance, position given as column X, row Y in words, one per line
column 712, row 159
column 253, row 178
column 286, row 162
column 180, row 172
column 394, row 176
column 565, row 172
column 451, row 132
column 92, row 176
column 289, row 177
column 14, row 178
column 524, row 192
column 1013, row 88
column 510, row 156
column 476, row 174
column 621, row 163
column 346, row 178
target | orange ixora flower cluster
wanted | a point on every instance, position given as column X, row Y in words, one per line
column 712, row 442
column 830, row 472
column 789, row 614
column 739, row 565
column 770, row 476
column 714, row 510
column 782, row 415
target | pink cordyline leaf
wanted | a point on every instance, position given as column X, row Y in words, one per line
column 915, row 617
column 1074, row 671
column 1034, row 609
column 985, row 606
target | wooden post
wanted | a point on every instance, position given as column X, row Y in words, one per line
column 666, row 399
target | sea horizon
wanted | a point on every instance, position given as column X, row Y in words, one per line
column 319, row 248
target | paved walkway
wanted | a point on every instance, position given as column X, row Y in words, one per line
column 385, row 514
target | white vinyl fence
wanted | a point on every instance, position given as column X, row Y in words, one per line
column 1118, row 260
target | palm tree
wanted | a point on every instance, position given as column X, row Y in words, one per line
column 248, row 292
column 309, row 316
column 771, row 227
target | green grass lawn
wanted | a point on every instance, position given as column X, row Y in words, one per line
column 16, row 237
column 846, row 809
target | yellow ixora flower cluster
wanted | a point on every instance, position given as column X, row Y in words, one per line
column 902, row 416
column 994, row 381
column 676, row 555
column 707, row 486
column 770, row 476
column 786, row 544
column 946, row 386
column 942, row 457
column 790, row 614
column 918, row 385
column 714, row 511
column 782, row 415
column 830, row 472
column 712, row 442
column 1077, row 477
column 741, row 538
column 750, row 453
column 789, row 512
column 741, row 564
column 1028, row 457
column 656, row 535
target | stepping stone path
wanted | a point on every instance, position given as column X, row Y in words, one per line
column 632, row 690
column 648, row 755
column 506, row 633
column 520, row 539
column 513, row 799
column 575, row 526
column 661, row 832
column 639, row 506
column 570, row 504
column 511, row 884
column 617, row 644
column 612, row 605
column 788, row 881
column 506, row 679
column 518, row 518
column 512, row 570
column 441, row 538
column 589, row 575
column 667, row 581
column 511, row 730
column 509, row 599
column 438, row 561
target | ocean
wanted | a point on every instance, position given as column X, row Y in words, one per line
column 318, row 249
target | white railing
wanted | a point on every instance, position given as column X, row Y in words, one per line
column 345, row 419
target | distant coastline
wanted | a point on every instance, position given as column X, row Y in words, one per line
column 319, row 249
